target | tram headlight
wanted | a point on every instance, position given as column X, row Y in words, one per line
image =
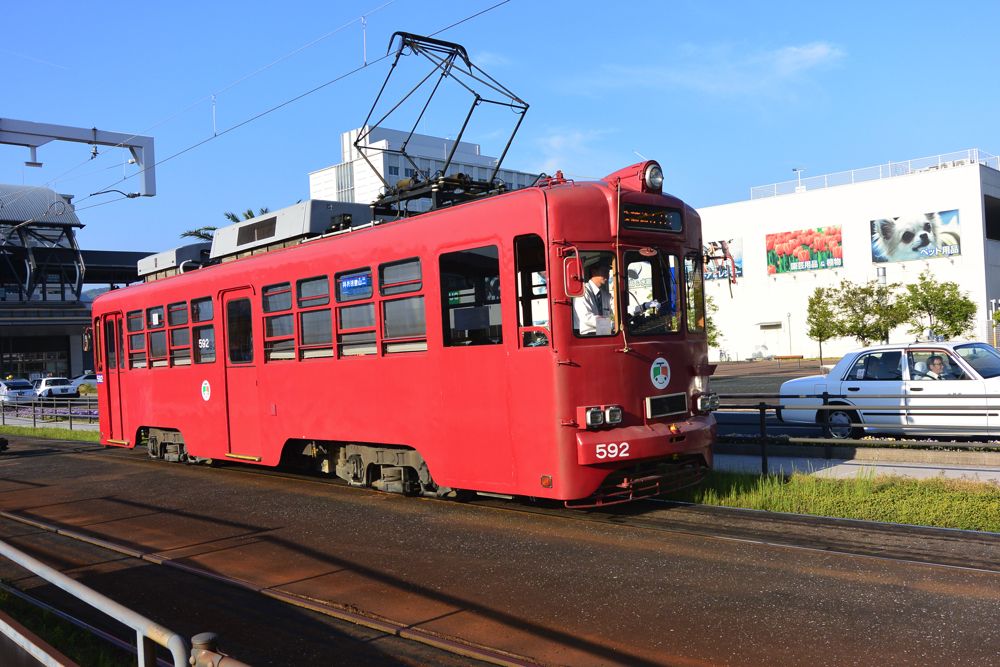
column 595, row 417
column 613, row 414
column 652, row 179
column 708, row 402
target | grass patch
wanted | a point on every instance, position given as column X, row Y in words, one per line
column 52, row 433
column 77, row 644
column 944, row 503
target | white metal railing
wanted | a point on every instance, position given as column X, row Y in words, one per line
column 887, row 170
column 147, row 632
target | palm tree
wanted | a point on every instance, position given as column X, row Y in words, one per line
column 205, row 233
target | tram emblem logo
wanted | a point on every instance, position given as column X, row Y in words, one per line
column 659, row 373
column 206, row 390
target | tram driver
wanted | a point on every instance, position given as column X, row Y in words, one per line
column 593, row 312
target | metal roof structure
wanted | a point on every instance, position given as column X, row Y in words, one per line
column 20, row 203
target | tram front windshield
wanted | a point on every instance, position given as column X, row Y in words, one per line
column 651, row 301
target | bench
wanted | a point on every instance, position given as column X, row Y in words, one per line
column 788, row 357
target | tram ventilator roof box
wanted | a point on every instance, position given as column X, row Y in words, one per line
column 288, row 226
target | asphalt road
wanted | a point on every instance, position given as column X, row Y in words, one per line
column 559, row 590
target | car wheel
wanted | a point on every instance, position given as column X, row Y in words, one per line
column 840, row 424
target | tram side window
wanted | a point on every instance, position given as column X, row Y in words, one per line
column 154, row 317
column 180, row 346
column 315, row 323
column 239, row 330
column 355, row 323
column 134, row 319
column 137, row 350
column 157, row 348
column 98, row 350
column 532, row 290
column 470, row 297
column 204, row 348
column 279, row 330
column 109, row 341
column 177, row 314
column 201, row 310
column 180, row 335
column 694, row 288
column 404, row 322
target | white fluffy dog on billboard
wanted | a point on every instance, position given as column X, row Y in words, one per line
column 899, row 240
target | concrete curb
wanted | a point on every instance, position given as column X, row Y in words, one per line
column 882, row 454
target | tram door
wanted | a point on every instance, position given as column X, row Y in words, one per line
column 113, row 365
column 242, row 401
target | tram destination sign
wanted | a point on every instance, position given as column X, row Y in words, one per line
column 651, row 218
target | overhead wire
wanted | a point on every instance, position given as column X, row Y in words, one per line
column 18, row 194
column 291, row 100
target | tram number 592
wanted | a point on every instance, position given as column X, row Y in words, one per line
column 612, row 450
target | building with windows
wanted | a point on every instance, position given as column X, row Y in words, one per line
column 44, row 306
column 354, row 180
column 887, row 223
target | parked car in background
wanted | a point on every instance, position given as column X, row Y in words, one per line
column 86, row 378
column 16, row 391
column 930, row 389
column 54, row 387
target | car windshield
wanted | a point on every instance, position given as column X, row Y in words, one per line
column 57, row 382
column 984, row 358
column 652, row 306
column 17, row 384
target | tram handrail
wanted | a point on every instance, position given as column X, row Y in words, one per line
column 147, row 631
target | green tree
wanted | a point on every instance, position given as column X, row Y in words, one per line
column 868, row 312
column 711, row 331
column 940, row 309
column 823, row 322
column 207, row 232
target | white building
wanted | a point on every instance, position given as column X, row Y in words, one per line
column 859, row 225
column 353, row 180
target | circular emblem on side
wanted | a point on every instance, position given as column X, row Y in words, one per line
column 206, row 390
column 659, row 373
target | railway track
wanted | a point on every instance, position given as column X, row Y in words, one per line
column 938, row 547
column 469, row 652
column 943, row 555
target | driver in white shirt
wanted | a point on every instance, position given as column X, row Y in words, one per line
column 592, row 312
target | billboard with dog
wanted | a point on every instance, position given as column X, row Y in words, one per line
column 922, row 236
column 804, row 250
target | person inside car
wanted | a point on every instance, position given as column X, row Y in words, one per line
column 935, row 367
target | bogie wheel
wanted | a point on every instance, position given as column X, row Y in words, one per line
column 840, row 424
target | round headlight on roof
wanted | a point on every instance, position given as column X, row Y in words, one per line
column 653, row 178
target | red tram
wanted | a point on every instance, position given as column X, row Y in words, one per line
column 437, row 354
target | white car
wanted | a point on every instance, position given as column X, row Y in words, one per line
column 86, row 378
column 940, row 389
column 53, row 387
column 16, row 391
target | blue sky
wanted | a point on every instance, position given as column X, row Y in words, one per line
column 725, row 95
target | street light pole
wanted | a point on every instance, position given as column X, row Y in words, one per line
column 789, row 333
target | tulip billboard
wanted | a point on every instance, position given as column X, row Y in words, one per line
column 804, row 250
